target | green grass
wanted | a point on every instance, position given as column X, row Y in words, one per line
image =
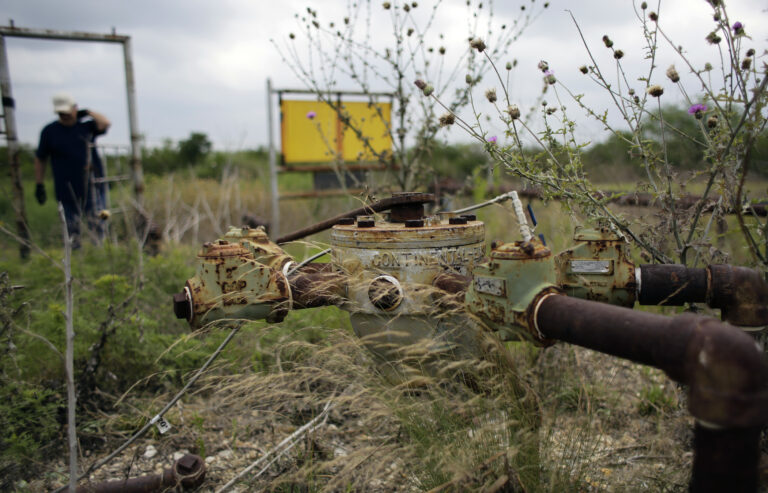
column 452, row 433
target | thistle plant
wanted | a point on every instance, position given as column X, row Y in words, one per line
column 347, row 54
column 728, row 117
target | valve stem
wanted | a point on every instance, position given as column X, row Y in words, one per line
column 525, row 230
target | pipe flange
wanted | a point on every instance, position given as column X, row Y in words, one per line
column 385, row 293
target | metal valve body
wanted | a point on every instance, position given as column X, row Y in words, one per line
column 391, row 269
column 238, row 276
column 597, row 268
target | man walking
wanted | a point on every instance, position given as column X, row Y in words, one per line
column 68, row 142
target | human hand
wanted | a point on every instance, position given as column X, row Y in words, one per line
column 40, row 194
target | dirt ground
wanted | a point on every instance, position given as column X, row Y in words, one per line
column 607, row 425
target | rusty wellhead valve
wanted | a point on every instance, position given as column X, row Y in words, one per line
column 241, row 275
column 392, row 265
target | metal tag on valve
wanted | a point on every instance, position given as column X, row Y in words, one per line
column 490, row 285
column 591, row 266
column 162, row 425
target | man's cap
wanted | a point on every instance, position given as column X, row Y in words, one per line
column 63, row 103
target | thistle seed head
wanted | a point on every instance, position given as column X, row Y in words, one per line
column 713, row 38
column 447, row 119
column 655, row 90
column 477, row 44
column 672, row 74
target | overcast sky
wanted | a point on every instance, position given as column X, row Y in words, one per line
column 202, row 65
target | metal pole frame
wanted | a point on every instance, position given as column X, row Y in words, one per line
column 274, row 227
column 17, row 193
column 130, row 87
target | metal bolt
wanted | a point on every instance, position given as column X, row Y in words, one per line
column 365, row 222
column 457, row 220
column 414, row 223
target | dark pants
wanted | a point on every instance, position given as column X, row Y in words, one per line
column 90, row 207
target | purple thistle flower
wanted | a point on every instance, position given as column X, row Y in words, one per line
column 492, row 139
column 737, row 26
column 311, row 115
column 696, row 108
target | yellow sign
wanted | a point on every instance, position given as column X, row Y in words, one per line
column 313, row 132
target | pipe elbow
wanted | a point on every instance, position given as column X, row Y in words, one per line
column 727, row 372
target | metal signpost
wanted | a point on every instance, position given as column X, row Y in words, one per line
column 303, row 146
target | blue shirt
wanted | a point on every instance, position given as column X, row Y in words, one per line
column 68, row 147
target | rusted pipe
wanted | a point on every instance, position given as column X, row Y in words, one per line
column 672, row 285
column 317, row 285
column 452, row 283
column 396, row 201
column 726, row 371
column 740, row 293
column 186, row 474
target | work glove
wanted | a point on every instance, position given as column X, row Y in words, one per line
column 40, row 194
column 82, row 114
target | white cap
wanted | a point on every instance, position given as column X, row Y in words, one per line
column 63, row 103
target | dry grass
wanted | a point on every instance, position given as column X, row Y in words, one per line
column 523, row 419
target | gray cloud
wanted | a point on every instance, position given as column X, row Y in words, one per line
column 202, row 66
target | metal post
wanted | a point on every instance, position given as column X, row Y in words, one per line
column 20, row 32
column 275, row 222
column 13, row 152
column 130, row 89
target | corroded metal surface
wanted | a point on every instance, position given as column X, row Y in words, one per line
column 186, row 474
column 725, row 370
column 256, row 241
column 503, row 289
column 672, row 284
column 725, row 459
column 435, row 233
column 597, row 268
column 392, row 296
column 740, row 293
column 317, row 285
column 401, row 202
column 239, row 276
